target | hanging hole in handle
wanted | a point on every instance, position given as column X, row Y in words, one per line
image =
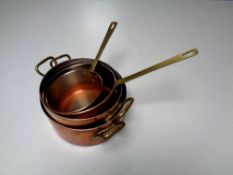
column 58, row 58
column 42, row 62
column 190, row 53
column 113, row 25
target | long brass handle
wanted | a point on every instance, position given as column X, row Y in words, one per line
column 109, row 33
column 172, row 60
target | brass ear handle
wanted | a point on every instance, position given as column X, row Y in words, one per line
column 113, row 129
column 121, row 110
column 59, row 57
column 172, row 60
column 110, row 131
column 109, row 33
column 120, row 116
column 42, row 62
column 117, row 119
column 114, row 113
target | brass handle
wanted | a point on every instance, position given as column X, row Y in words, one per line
column 120, row 116
column 42, row 62
column 109, row 33
column 59, row 57
column 172, row 60
column 110, row 131
column 113, row 129
column 118, row 121
column 121, row 110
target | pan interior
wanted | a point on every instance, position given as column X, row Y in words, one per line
column 74, row 90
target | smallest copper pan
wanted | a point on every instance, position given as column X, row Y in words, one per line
column 70, row 65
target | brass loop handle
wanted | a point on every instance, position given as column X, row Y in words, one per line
column 110, row 131
column 113, row 129
column 125, row 107
column 59, row 57
column 117, row 119
column 172, row 60
column 109, row 33
column 42, row 62
column 114, row 113
column 121, row 109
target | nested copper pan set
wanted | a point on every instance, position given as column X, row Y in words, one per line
column 86, row 99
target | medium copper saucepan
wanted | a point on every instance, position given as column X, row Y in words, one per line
column 94, row 133
column 112, row 82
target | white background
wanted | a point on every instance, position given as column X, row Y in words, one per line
column 182, row 119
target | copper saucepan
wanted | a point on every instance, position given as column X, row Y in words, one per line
column 94, row 133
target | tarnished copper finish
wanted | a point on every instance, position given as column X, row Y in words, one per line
column 95, row 133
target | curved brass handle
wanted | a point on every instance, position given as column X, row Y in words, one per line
column 120, row 116
column 172, row 60
column 118, row 121
column 59, row 57
column 42, row 62
column 113, row 129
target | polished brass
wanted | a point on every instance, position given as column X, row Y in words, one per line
column 109, row 33
column 172, row 60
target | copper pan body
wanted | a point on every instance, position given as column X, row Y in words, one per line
column 94, row 133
